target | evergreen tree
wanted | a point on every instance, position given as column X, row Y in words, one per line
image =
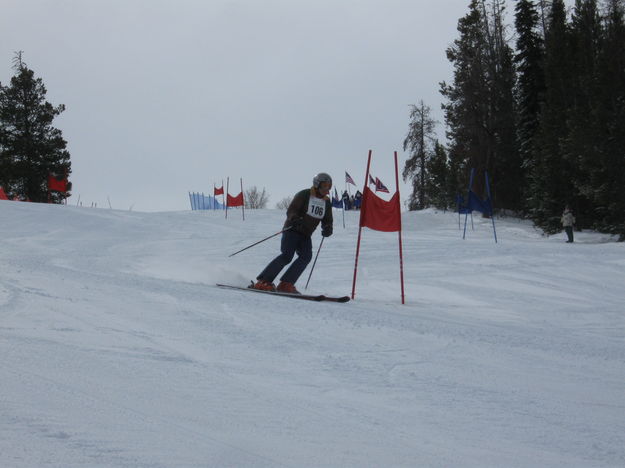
column 419, row 142
column 505, row 168
column 566, row 144
column 581, row 145
column 467, row 98
column 543, row 8
column 437, row 185
column 456, row 182
column 30, row 148
column 480, row 109
column 551, row 176
column 530, row 84
column 607, row 173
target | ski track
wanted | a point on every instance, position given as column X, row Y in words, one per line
column 118, row 350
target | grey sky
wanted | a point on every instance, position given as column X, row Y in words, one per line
column 164, row 97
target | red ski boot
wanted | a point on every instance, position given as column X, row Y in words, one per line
column 287, row 288
column 264, row 286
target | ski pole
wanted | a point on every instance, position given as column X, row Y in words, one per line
column 263, row 240
column 313, row 266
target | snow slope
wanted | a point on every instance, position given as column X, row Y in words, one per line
column 117, row 350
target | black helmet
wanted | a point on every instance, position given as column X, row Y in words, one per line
column 320, row 178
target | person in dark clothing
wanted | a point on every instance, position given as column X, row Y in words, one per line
column 357, row 200
column 346, row 202
column 308, row 208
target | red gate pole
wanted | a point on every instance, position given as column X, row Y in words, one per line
column 362, row 209
column 243, row 200
column 227, row 192
column 401, row 255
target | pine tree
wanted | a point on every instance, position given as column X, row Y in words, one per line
column 569, row 110
column 581, row 145
column 530, row 85
column 551, row 176
column 480, row 109
column 30, row 148
column 468, row 96
column 437, row 185
column 607, row 175
column 456, row 182
column 419, row 143
column 505, row 168
column 543, row 13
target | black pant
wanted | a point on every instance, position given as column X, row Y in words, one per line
column 292, row 242
column 569, row 233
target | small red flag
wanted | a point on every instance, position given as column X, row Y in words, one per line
column 219, row 191
column 55, row 185
column 3, row 196
column 235, row 201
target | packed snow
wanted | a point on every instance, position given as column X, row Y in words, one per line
column 118, row 350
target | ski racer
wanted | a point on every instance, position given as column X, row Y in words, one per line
column 308, row 208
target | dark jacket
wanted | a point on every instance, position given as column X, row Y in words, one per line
column 301, row 207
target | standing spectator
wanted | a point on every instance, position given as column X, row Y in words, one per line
column 568, row 221
column 357, row 200
column 346, row 202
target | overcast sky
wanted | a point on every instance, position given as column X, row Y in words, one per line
column 167, row 97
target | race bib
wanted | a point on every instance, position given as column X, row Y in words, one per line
column 316, row 207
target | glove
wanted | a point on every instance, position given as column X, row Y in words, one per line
column 326, row 231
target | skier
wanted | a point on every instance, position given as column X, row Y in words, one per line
column 568, row 220
column 346, row 201
column 308, row 208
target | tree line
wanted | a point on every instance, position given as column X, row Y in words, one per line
column 543, row 114
column 31, row 149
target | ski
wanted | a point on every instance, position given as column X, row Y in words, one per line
column 305, row 297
